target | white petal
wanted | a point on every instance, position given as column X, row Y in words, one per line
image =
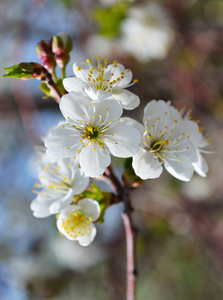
column 156, row 109
column 90, row 207
column 60, row 144
column 62, row 203
column 88, row 238
column 200, row 165
column 84, row 72
column 117, row 74
column 40, row 209
column 73, row 105
column 128, row 99
column 134, row 123
column 97, row 95
column 73, row 84
column 125, row 142
column 81, row 181
column 109, row 111
column 94, row 162
column 181, row 170
column 146, row 166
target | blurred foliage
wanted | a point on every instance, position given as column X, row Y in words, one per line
column 109, row 19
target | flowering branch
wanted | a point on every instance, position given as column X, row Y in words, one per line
column 123, row 196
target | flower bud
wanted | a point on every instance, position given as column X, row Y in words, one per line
column 45, row 54
column 61, row 46
column 26, row 71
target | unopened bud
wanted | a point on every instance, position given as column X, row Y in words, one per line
column 61, row 46
column 61, row 43
column 45, row 54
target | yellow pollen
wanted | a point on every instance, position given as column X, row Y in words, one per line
column 63, row 126
column 135, row 81
column 79, row 68
column 106, row 61
column 88, row 61
column 68, row 148
column 71, row 135
column 94, row 149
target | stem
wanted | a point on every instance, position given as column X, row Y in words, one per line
column 123, row 196
column 130, row 251
column 63, row 72
column 53, row 87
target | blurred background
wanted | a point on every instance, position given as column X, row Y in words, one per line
column 175, row 50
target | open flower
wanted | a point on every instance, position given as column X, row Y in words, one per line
column 103, row 80
column 59, row 182
column 168, row 140
column 147, row 32
column 75, row 221
column 94, row 132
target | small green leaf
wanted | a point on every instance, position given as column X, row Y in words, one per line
column 22, row 71
column 109, row 19
column 44, row 88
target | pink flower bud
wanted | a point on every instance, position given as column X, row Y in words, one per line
column 45, row 54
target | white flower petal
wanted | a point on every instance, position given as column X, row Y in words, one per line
column 93, row 160
column 125, row 142
column 60, row 144
column 88, row 238
column 146, row 166
column 40, row 209
column 181, row 170
column 62, row 203
column 74, row 105
column 128, row 99
column 97, row 95
column 90, row 207
column 108, row 111
column 134, row 123
column 73, row 84
column 81, row 181
column 200, row 165
column 84, row 72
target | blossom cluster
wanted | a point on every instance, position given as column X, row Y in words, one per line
column 93, row 129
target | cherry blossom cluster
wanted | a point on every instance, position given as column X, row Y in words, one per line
column 93, row 129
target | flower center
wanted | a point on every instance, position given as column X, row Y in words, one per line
column 157, row 146
column 103, row 77
column 92, row 133
column 76, row 224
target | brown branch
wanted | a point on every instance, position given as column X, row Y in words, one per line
column 130, row 233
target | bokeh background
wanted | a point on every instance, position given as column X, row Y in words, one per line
column 175, row 50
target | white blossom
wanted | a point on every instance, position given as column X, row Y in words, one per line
column 147, row 32
column 199, row 163
column 75, row 221
column 94, row 132
column 59, row 182
column 205, row 147
column 101, row 81
column 168, row 140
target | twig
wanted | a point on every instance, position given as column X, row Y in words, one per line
column 130, row 232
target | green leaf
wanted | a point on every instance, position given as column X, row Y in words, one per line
column 109, row 19
column 45, row 89
column 21, row 71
